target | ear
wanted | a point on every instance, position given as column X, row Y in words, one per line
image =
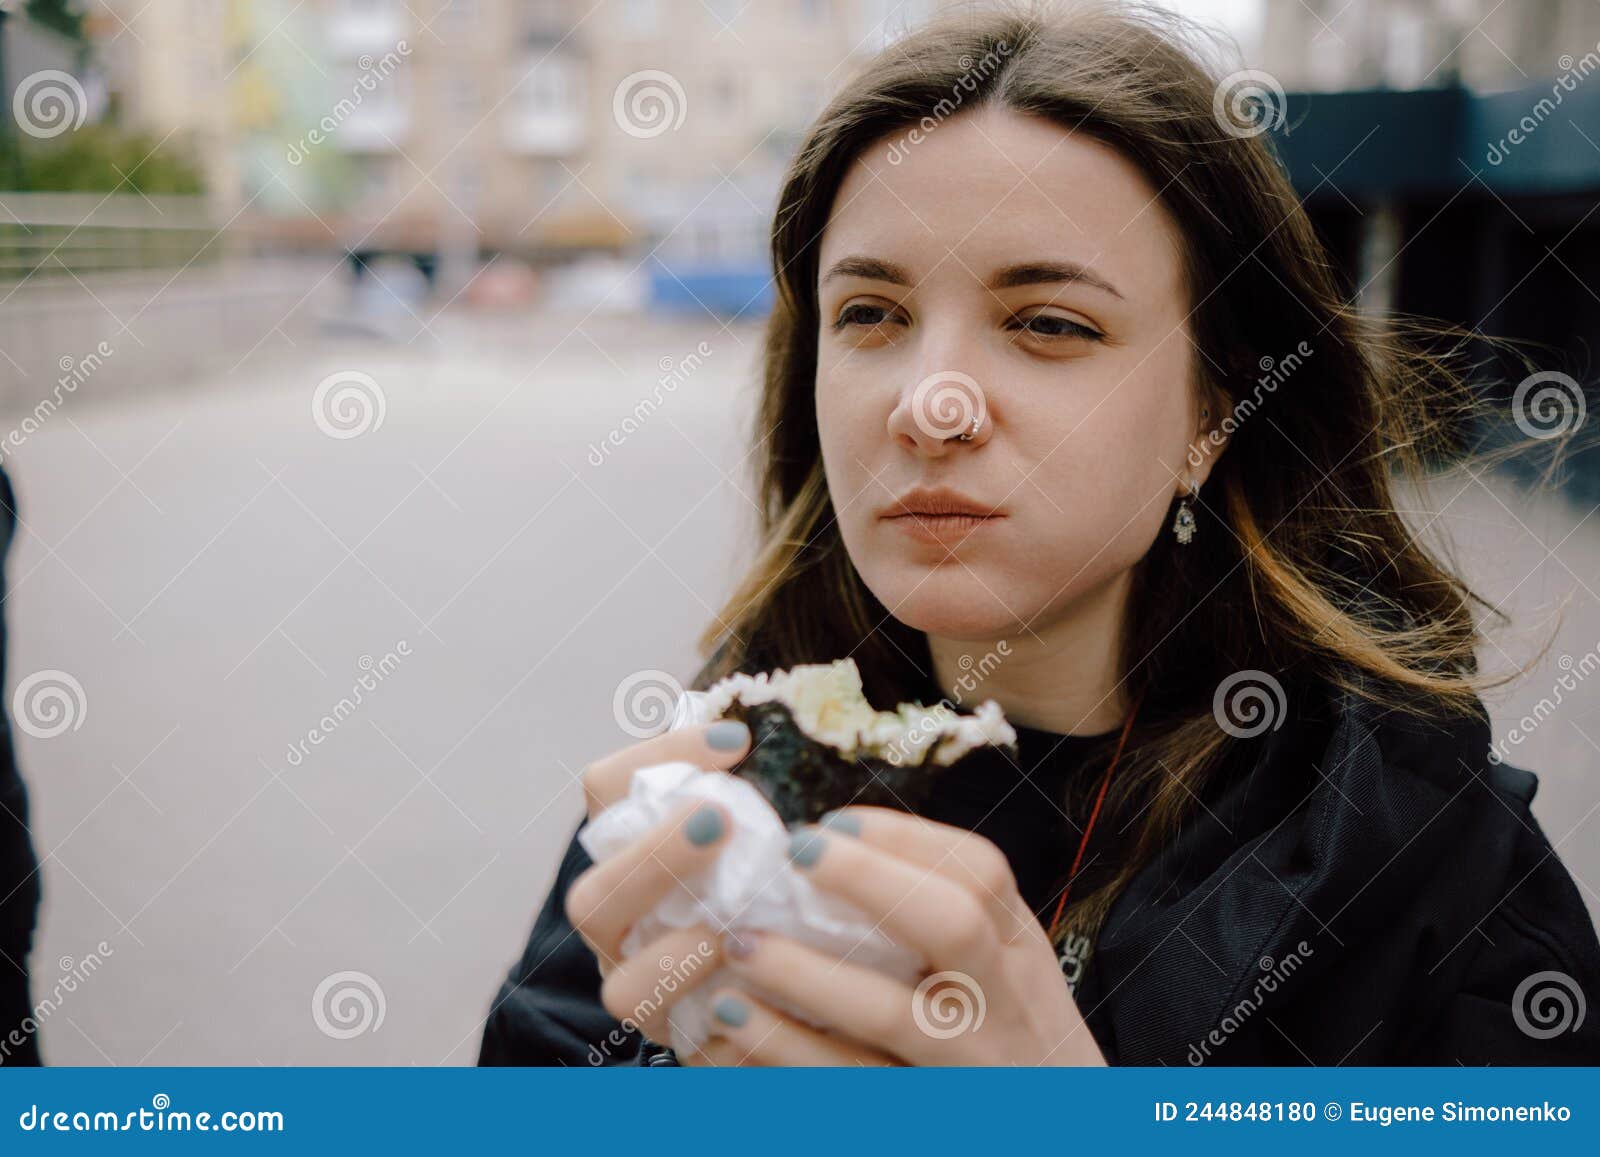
column 1211, row 433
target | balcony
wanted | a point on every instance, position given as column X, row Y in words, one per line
column 374, row 127
column 545, row 114
column 356, row 26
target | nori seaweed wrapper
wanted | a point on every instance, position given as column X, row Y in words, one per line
column 804, row 778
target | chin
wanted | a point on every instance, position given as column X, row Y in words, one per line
column 949, row 603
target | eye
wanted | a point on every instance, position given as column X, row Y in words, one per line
column 1053, row 326
column 862, row 313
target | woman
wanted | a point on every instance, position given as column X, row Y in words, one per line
column 1039, row 292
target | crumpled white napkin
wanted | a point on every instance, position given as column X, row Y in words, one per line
column 750, row 886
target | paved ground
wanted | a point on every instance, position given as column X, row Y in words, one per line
column 215, row 571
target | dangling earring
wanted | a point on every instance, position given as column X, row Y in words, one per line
column 1183, row 525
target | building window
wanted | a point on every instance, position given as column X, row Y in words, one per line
column 724, row 12
column 546, row 19
column 640, row 17
column 377, row 180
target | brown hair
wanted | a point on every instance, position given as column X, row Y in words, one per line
column 1302, row 562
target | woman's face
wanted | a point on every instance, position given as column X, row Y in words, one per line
column 1008, row 269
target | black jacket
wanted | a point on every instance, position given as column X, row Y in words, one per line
column 1364, row 889
column 19, row 869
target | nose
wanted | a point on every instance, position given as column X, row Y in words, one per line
column 942, row 411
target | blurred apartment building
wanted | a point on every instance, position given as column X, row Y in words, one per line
column 471, row 127
column 1484, row 45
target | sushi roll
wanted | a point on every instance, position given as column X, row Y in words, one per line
column 817, row 744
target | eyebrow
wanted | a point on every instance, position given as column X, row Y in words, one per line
column 1009, row 277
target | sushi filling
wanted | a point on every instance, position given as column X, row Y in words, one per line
column 826, row 703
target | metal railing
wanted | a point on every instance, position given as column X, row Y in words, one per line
column 50, row 235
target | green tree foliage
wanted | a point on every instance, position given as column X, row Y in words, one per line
column 63, row 16
column 95, row 159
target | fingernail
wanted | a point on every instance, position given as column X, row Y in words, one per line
column 805, row 848
column 845, row 822
column 727, row 735
column 704, row 826
column 741, row 945
column 731, row 1011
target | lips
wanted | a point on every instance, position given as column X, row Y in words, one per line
column 939, row 517
column 933, row 504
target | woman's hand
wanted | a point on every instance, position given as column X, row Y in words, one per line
column 995, row 994
column 608, row 899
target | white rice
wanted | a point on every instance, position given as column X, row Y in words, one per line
column 827, row 703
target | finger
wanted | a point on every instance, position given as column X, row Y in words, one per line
column 848, row 999
column 713, row 746
column 762, row 1036
column 642, row 989
column 914, row 905
column 607, row 899
column 717, row 1052
column 955, row 853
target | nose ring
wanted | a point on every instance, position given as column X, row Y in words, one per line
column 970, row 434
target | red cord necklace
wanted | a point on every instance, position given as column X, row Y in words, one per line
column 1094, row 815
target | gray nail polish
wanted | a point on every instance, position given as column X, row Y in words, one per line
column 704, row 826
column 727, row 735
column 805, row 848
column 844, row 822
column 731, row 1011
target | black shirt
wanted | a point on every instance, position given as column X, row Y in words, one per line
column 1035, row 808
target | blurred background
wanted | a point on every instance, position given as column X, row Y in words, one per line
column 373, row 381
